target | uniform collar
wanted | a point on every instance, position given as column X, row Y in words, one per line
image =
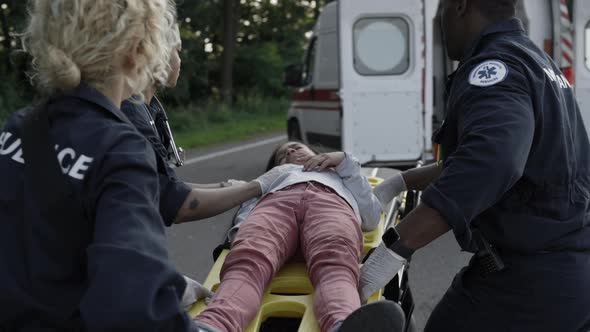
column 506, row 26
column 89, row 94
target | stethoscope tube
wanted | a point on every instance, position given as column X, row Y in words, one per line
column 177, row 152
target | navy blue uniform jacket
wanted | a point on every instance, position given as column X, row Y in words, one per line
column 516, row 153
column 173, row 192
column 129, row 282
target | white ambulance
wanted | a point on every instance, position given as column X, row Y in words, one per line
column 374, row 73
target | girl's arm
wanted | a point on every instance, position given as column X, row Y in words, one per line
column 369, row 206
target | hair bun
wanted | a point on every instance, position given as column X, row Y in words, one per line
column 61, row 69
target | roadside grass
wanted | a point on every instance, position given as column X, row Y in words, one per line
column 214, row 123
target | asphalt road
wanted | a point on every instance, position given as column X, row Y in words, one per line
column 191, row 244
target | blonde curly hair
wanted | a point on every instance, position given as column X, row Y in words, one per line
column 79, row 40
column 173, row 41
column 173, row 36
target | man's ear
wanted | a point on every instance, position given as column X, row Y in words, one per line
column 461, row 7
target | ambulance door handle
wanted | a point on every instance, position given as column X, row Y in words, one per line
column 312, row 92
column 339, row 94
column 434, row 91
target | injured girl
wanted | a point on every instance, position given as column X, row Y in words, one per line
column 316, row 205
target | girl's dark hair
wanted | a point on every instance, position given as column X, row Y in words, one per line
column 272, row 162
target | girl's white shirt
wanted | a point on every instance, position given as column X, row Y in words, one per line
column 346, row 180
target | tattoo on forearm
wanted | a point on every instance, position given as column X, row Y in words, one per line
column 194, row 204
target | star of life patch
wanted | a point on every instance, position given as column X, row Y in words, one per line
column 488, row 73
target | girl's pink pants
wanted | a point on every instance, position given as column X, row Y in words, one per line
column 305, row 216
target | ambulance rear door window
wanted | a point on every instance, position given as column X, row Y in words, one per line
column 381, row 46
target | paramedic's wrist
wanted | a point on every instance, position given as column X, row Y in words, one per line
column 231, row 183
column 193, row 292
column 390, row 188
column 380, row 268
column 255, row 187
column 400, row 248
column 392, row 240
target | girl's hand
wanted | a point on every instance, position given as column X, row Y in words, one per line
column 322, row 161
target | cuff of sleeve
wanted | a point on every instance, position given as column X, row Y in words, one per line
column 173, row 196
column 450, row 212
column 348, row 167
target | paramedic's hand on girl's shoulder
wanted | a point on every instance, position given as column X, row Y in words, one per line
column 322, row 161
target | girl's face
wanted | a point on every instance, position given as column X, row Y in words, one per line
column 174, row 67
column 290, row 152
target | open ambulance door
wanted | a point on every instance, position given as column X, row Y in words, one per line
column 537, row 17
column 314, row 116
column 381, row 79
column 582, row 58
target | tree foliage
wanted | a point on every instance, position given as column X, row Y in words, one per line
column 269, row 35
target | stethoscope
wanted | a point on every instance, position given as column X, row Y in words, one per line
column 177, row 152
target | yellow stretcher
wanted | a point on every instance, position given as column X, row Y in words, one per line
column 290, row 293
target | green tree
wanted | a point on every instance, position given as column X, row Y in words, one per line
column 271, row 35
column 231, row 12
column 14, row 86
column 12, row 20
column 268, row 35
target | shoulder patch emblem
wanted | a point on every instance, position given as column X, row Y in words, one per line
column 488, row 73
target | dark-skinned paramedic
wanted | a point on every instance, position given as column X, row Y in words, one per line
column 513, row 184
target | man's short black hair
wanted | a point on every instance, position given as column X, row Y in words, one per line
column 496, row 9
